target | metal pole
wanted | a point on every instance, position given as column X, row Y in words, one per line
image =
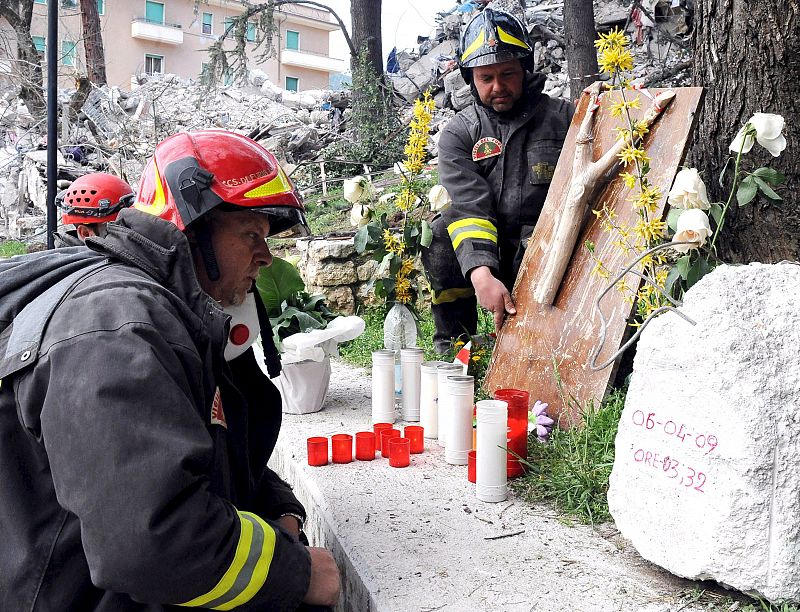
column 52, row 118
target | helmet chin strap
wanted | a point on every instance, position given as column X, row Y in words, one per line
column 202, row 233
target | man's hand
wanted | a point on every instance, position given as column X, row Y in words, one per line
column 492, row 294
column 325, row 585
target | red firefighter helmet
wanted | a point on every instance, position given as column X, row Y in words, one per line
column 94, row 198
column 191, row 173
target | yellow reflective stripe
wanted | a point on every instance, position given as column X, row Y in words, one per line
column 159, row 200
column 476, row 44
column 280, row 184
column 451, row 295
column 510, row 39
column 248, row 570
column 474, row 234
column 456, row 225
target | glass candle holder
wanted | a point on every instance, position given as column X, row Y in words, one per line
column 365, row 445
column 342, row 448
column 317, row 447
column 386, row 435
column 399, row 452
column 416, row 434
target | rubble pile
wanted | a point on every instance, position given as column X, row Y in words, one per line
column 116, row 130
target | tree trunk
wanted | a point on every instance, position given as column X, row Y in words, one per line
column 579, row 33
column 747, row 56
column 28, row 65
column 366, row 17
column 93, row 42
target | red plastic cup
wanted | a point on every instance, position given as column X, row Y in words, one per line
column 386, row 435
column 415, row 433
column 471, row 459
column 518, row 402
column 317, row 450
column 365, row 445
column 378, row 428
column 399, row 452
column 342, row 448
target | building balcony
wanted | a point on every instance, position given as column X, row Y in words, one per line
column 167, row 33
column 312, row 60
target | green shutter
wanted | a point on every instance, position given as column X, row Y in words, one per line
column 39, row 43
column 101, row 7
column 68, row 52
column 292, row 83
column 251, row 31
column 208, row 23
column 292, row 40
column 154, row 12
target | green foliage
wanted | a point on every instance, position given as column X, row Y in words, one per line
column 9, row 248
column 572, row 468
column 277, row 283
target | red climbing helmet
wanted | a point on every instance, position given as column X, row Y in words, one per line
column 94, row 198
column 191, row 173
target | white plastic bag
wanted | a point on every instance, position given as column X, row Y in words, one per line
column 304, row 385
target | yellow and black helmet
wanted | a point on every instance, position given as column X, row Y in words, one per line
column 493, row 37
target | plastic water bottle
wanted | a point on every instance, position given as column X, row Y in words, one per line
column 399, row 332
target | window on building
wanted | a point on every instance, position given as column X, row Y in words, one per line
column 39, row 43
column 153, row 63
column 227, row 23
column 154, row 11
column 101, row 7
column 292, row 84
column 208, row 23
column 227, row 78
column 69, row 3
column 293, row 40
column 68, row 52
column 40, row 1
column 251, row 31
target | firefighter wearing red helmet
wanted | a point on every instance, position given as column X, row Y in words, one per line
column 150, row 487
column 89, row 203
column 496, row 160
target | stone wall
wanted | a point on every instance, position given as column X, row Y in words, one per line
column 332, row 267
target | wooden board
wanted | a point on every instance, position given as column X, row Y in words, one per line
column 543, row 344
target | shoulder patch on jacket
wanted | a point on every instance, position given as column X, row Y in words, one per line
column 217, row 413
column 486, row 147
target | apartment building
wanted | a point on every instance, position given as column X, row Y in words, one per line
column 172, row 36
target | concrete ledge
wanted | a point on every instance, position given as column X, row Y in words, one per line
column 417, row 539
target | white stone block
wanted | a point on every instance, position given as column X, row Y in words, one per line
column 705, row 480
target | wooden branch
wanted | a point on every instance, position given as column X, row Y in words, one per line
column 586, row 178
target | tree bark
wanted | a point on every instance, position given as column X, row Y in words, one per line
column 747, row 56
column 580, row 33
column 366, row 18
column 28, row 66
column 93, row 42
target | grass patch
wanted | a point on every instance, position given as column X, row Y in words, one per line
column 571, row 469
column 359, row 351
column 9, row 248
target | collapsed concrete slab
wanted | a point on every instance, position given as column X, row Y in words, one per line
column 705, row 480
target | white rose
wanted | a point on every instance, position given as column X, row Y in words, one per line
column 768, row 128
column 439, row 198
column 688, row 191
column 356, row 189
column 360, row 215
column 693, row 226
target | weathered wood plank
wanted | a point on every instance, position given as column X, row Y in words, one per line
column 542, row 345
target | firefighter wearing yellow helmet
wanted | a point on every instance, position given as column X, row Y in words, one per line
column 496, row 160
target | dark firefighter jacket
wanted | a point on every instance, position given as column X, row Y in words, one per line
column 497, row 168
column 132, row 457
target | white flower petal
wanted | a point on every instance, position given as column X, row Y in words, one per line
column 688, row 190
column 693, row 226
column 439, row 198
column 767, row 125
column 748, row 141
column 775, row 145
column 354, row 190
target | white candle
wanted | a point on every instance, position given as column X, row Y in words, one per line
column 491, row 472
column 458, row 439
column 428, row 396
column 444, row 398
column 383, row 386
column 410, row 360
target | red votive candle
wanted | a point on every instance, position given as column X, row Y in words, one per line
column 399, row 452
column 342, row 448
column 471, row 460
column 378, row 428
column 365, row 445
column 518, row 402
column 317, row 451
column 386, row 435
column 415, row 433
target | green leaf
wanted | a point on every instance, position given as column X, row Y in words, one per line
column 773, row 177
column 427, row 234
column 673, row 275
column 682, row 265
column 276, row 283
column 697, row 271
column 747, row 191
column 672, row 218
column 716, row 212
column 589, row 246
column 766, row 189
column 362, row 236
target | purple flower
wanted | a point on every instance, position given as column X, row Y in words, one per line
column 538, row 420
